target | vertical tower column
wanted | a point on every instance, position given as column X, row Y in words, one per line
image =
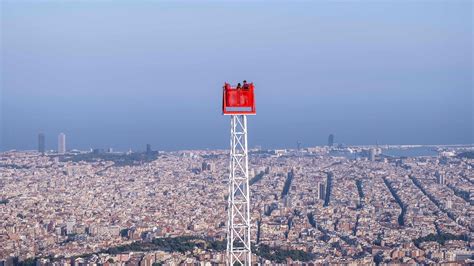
column 238, row 221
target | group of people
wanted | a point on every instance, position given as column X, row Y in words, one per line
column 245, row 86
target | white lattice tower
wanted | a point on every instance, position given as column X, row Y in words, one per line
column 238, row 221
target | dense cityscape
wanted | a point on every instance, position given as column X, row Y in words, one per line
column 325, row 204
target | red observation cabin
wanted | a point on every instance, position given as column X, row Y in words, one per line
column 238, row 100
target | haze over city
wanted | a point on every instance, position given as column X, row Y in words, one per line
column 124, row 73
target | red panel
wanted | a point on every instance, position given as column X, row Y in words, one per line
column 238, row 100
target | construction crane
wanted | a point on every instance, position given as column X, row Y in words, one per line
column 238, row 102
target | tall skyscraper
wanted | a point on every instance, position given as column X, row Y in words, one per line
column 41, row 143
column 331, row 140
column 148, row 149
column 440, row 178
column 207, row 167
column 372, row 153
column 62, row 143
column 321, row 191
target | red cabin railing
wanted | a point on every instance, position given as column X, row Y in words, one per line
column 238, row 101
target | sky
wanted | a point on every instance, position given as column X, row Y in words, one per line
column 122, row 74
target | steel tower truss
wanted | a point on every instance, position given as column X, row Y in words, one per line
column 238, row 221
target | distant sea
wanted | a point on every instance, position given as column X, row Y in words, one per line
column 393, row 152
column 410, row 152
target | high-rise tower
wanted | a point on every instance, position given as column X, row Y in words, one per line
column 148, row 149
column 321, row 191
column 61, row 143
column 41, row 143
column 238, row 102
column 331, row 140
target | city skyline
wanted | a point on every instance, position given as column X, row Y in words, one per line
column 41, row 145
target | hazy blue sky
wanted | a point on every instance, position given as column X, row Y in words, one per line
column 125, row 73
